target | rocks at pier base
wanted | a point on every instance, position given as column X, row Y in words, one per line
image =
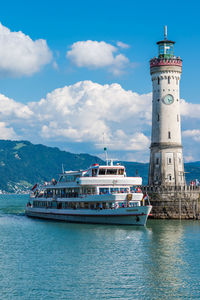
column 182, row 202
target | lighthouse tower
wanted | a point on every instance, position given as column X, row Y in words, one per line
column 166, row 159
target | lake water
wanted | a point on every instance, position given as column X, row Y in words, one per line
column 52, row 260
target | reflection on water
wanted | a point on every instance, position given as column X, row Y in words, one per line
column 165, row 259
column 51, row 260
column 170, row 255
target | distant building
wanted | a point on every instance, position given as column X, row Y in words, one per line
column 166, row 159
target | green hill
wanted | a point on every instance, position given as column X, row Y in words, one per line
column 22, row 164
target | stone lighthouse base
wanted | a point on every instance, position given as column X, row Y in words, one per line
column 182, row 202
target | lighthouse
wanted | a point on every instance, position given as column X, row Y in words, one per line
column 166, row 159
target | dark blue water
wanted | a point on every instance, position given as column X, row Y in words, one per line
column 52, row 260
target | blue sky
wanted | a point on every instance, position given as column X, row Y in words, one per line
column 137, row 25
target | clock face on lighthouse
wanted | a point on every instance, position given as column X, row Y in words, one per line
column 168, row 99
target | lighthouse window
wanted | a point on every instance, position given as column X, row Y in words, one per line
column 177, row 118
column 169, row 160
column 157, row 161
column 170, row 177
column 158, row 118
column 169, row 135
column 176, row 80
column 158, row 80
column 168, row 79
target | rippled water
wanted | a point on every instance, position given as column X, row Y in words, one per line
column 52, row 260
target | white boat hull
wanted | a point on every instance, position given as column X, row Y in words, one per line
column 121, row 216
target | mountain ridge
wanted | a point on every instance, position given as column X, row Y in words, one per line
column 22, row 164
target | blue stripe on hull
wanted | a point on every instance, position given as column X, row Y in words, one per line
column 131, row 219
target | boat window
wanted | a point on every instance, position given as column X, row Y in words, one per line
column 111, row 171
column 107, row 205
column 102, row 171
column 92, row 206
column 70, row 178
column 99, row 206
column 132, row 204
column 124, row 190
column 82, row 205
column 49, row 204
column 114, row 190
column 89, row 191
column 84, row 190
column 104, row 205
column 62, row 193
column 54, row 204
column 104, row 191
column 121, row 171
column 57, row 192
column 62, row 179
column 70, row 193
column 94, row 172
column 111, row 205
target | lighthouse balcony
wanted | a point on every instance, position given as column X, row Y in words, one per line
column 157, row 62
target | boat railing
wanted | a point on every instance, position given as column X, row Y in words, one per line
column 82, row 195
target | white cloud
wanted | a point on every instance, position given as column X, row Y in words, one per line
column 194, row 134
column 93, row 54
column 120, row 141
column 122, row 45
column 55, row 65
column 11, row 109
column 7, row 132
column 190, row 110
column 188, row 158
column 87, row 113
column 20, row 55
column 83, row 113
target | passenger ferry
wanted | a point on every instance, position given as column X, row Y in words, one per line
column 102, row 194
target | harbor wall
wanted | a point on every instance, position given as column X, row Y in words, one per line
column 174, row 202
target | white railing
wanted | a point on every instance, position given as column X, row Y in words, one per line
column 162, row 188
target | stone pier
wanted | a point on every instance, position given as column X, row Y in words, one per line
column 174, row 202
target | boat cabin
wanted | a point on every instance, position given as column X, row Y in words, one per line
column 98, row 187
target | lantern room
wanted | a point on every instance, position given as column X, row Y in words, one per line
column 165, row 47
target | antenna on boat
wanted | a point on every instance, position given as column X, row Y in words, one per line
column 63, row 169
column 105, row 149
column 106, row 155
